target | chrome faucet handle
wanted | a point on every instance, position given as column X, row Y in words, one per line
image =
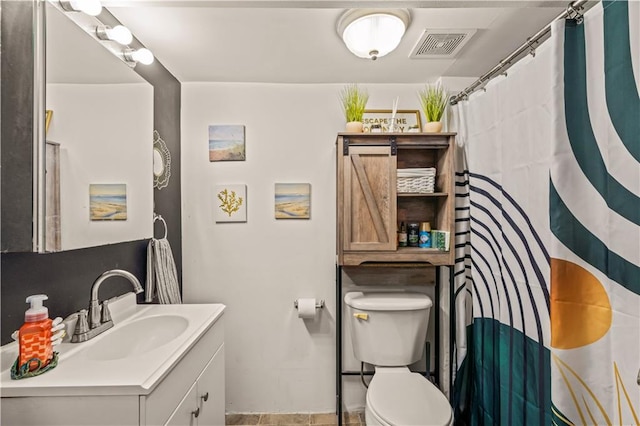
column 82, row 325
column 106, row 314
column 94, row 314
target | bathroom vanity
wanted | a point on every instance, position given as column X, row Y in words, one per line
column 159, row 365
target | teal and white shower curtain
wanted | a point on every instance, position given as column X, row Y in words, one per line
column 549, row 246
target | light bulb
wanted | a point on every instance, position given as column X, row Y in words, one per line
column 144, row 56
column 90, row 7
column 119, row 34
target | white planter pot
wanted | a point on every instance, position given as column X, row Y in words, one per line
column 432, row 127
column 354, row 127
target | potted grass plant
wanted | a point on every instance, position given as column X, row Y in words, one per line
column 354, row 101
column 433, row 100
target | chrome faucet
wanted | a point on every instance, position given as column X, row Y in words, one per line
column 99, row 315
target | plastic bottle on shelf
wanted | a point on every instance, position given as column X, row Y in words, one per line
column 425, row 235
column 413, row 235
column 35, row 334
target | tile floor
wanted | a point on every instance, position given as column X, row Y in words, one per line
column 315, row 419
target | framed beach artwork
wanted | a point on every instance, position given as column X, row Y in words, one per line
column 293, row 200
column 108, row 201
column 226, row 143
column 231, row 203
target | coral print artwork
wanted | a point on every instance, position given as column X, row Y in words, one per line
column 230, row 203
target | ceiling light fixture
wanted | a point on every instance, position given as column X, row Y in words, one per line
column 373, row 33
column 119, row 34
column 144, row 56
column 90, row 7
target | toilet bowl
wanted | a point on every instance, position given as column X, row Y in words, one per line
column 388, row 330
column 398, row 397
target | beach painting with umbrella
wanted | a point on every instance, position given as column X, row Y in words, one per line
column 293, row 200
column 108, row 201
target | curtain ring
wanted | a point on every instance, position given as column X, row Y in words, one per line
column 573, row 13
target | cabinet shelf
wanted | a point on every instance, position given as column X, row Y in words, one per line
column 420, row 250
column 418, row 194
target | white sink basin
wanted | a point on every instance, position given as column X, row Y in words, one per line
column 131, row 358
column 137, row 337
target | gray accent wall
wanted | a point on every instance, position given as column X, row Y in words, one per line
column 66, row 277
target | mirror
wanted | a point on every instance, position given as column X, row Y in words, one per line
column 99, row 150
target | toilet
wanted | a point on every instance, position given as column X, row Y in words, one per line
column 388, row 330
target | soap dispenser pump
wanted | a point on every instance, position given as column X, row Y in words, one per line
column 35, row 335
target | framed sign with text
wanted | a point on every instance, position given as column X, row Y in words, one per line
column 405, row 120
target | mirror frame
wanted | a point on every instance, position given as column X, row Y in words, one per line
column 39, row 136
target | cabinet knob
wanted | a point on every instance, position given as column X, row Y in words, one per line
column 205, row 397
column 196, row 413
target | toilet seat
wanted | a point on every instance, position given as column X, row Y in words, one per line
column 396, row 396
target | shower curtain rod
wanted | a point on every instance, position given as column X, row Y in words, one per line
column 572, row 11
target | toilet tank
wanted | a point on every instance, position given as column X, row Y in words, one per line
column 388, row 329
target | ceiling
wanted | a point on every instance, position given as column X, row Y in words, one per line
column 295, row 41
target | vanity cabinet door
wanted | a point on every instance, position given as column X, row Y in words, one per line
column 203, row 405
column 185, row 414
column 211, row 392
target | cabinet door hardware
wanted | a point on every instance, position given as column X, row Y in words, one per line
column 393, row 145
column 205, row 397
column 196, row 413
column 345, row 146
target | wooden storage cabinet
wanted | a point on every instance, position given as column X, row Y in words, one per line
column 369, row 206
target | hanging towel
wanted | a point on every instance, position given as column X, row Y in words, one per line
column 162, row 278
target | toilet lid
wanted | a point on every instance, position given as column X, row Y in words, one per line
column 407, row 399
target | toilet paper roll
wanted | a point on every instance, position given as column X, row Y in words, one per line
column 306, row 308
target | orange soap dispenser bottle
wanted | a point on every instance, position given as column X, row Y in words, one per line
column 35, row 334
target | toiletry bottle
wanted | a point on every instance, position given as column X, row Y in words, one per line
column 425, row 235
column 35, row 334
column 402, row 235
column 413, row 235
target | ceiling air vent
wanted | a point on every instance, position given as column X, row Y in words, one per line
column 440, row 43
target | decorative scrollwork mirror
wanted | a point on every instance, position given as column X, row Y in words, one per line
column 161, row 162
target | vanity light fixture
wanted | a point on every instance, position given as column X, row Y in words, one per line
column 120, row 34
column 373, row 33
column 144, row 56
column 90, row 7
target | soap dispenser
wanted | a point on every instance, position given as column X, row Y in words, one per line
column 35, row 335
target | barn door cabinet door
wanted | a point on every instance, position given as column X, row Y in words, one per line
column 369, row 210
column 370, row 207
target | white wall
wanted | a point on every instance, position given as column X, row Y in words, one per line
column 275, row 362
column 105, row 132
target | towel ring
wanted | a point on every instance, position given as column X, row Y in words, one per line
column 161, row 219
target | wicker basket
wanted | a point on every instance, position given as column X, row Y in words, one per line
column 421, row 181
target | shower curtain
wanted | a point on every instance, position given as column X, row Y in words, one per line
column 594, row 206
column 549, row 253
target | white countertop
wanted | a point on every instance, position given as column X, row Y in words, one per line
column 78, row 374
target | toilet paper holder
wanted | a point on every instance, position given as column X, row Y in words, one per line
column 319, row 304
